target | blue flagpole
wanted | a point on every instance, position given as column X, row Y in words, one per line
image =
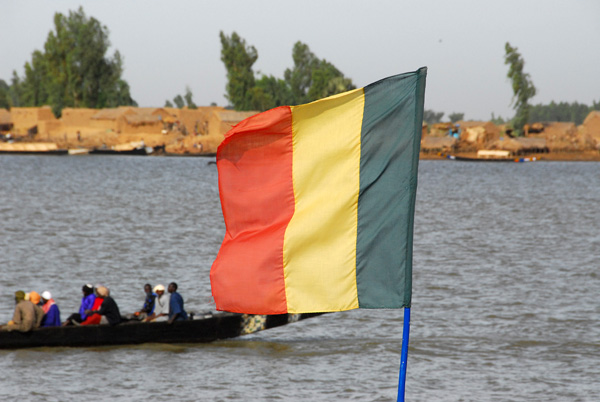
column 404, row 355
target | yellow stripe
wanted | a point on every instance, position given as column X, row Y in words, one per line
column 319, row 248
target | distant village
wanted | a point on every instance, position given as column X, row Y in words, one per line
column 549, row 140
column 173, row 131
column 120, row 130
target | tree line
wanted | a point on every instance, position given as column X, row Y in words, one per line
column 74, row 70
column 563, row 111
column 310, row 79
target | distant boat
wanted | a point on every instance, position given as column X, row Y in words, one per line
column 108, row 151
column 79, row 151
column 491, row 156
column 518, row 160
column 128, row 148
column 208, row 328
column 200, row 155
column 37, row 148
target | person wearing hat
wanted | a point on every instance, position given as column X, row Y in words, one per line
column 35, row 298
column 27, row 315
column 87, row 302
column 108, row 309
column 161, row 309
column 51, row 311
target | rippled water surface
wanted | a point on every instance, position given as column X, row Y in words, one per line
column 505, row 289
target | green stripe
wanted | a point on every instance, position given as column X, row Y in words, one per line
column 390, row 142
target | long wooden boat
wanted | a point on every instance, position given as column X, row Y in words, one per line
column 128, row 148
column 53, row 152
column 106, row 151
column 31, row 148
column 207, row 328
column 468, row 159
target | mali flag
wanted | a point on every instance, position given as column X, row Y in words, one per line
column 318, row 202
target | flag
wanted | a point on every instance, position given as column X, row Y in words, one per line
column 318, row 202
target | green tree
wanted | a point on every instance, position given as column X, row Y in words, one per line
column 431, row 117
column 312, row 78
column 4, row 95
column 239, row 59
column 497, row 120
column 574, row 112
column 454, row 117
column 188, row 98
column 326, row 81
column 179, row 102
column 73, row 70
column 182, row 101
column 274, row 92
column 523, row 88
column 299, row 78
column 33, row 90
column 16, row 90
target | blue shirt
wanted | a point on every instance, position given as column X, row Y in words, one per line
column 87, row 302
column 52, row 317
column 149, row 304
column 176, row 307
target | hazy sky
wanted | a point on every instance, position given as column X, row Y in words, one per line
column 170, row 44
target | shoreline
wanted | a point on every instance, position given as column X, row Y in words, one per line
column 584, row 156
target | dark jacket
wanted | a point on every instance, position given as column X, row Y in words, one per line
column 110, row 310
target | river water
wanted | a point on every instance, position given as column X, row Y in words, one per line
column 506, row 287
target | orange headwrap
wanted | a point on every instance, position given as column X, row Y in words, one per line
column 34, row 297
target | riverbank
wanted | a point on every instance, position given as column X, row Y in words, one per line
column 200, row 131
column 583, row 156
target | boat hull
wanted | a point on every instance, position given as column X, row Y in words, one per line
column 137, row 151
column 467, row 159
column 25, row 152
column 209, row 328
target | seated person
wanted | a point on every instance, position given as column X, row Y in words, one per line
column 94, row 319
column 87, row 301
column 51, row 312
column 149, row 304
column 27, row 315
column 34, row 297
column 161, row 310
column 108, row 309
column 176, row 310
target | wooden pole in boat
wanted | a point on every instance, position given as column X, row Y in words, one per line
column 404, row 355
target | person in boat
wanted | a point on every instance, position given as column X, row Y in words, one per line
column 161, row 308
column 176, row 310
column 149, row 304
column 94, row 319
column 27, row 315
column 51, row 312
column 34, row 297
column 108, row 309
column 87, row 302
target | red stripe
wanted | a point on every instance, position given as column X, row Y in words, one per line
column 255, row 186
